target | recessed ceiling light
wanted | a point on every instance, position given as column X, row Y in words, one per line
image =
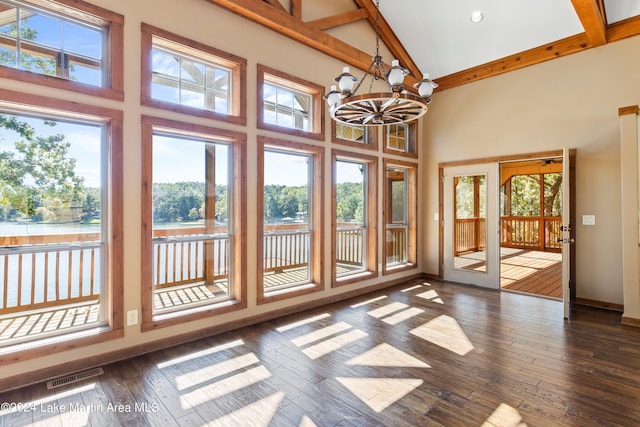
column 477, row 16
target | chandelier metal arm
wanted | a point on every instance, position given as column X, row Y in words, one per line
column 374, row 109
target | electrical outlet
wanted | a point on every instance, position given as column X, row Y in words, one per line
column 132, row 317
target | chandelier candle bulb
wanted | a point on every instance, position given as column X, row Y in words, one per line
column 345, row 80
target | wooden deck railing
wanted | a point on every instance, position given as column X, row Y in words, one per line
column 520, row 232
column 286, row 246
column 470, row 235
column 49, row 270
column 189, row 255
column 350, row 245
column 397, row 245
column 523, row 232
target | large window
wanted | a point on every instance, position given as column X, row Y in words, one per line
column 290, row 105
column 78, row 43
column 192, row 78
column 60, row 222
column 193, row 200
column 291, row 206
column 355, row 209
column 400, row 214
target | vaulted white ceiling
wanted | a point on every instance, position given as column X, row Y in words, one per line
column 441, row 38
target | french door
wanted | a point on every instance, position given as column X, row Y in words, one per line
column 470, row 211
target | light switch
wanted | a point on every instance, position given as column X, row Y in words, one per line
column 588, row 220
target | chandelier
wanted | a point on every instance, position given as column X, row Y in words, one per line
column 378, row 108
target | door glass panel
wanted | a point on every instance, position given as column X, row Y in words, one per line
column 470, row 221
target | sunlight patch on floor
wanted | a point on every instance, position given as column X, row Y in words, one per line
column 431, row 295
column 387, row 309
column 259, row 413
column 411, row 288
column 321, row 333
column 387, row 355
column 199, row 354
column 380, row 393
column 218, row 389
column 333, row 344
column 369, row 301
column 216, row 370
column 402, row 316
column 504, row 416
column 302, row 322
column 444, row 331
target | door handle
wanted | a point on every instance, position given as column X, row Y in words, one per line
column 565, row 240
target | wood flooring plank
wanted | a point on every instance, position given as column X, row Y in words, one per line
column 487, row 355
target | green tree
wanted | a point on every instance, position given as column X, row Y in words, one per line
column 35, row 168
column 30, row 62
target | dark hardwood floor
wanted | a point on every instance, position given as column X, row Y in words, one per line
column 419, row 354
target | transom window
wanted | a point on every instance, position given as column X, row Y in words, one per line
column 70, row 47
column 397, row 137
column 187, row 81
column 401, row 139
column 190, row 77
column 287, row 108
column 289, row 104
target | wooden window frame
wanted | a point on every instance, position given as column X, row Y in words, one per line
column 114, row 64
column 412, row 142
column 372, row 138
column 412, row 216
column 113, row 237
column 271, row 75
column 204, row 53
column 238, row 286
column 371, row 249
column 317, row 219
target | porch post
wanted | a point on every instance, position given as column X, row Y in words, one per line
column 209, row 213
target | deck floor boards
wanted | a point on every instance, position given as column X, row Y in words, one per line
column 424, row 353
column 521, row 270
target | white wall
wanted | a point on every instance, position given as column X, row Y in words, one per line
column 571, row 101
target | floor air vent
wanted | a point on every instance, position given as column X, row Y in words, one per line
column 74, row 378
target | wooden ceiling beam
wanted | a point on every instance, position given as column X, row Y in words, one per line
column 296, row 9
column 623, row 29
column 533, row 56
column 617, row 31
column 389, row 38
column 282, row 22
column 338, row 20
column 591, row 14
column 275, row 3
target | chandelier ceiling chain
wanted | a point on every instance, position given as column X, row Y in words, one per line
column 383, row 108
